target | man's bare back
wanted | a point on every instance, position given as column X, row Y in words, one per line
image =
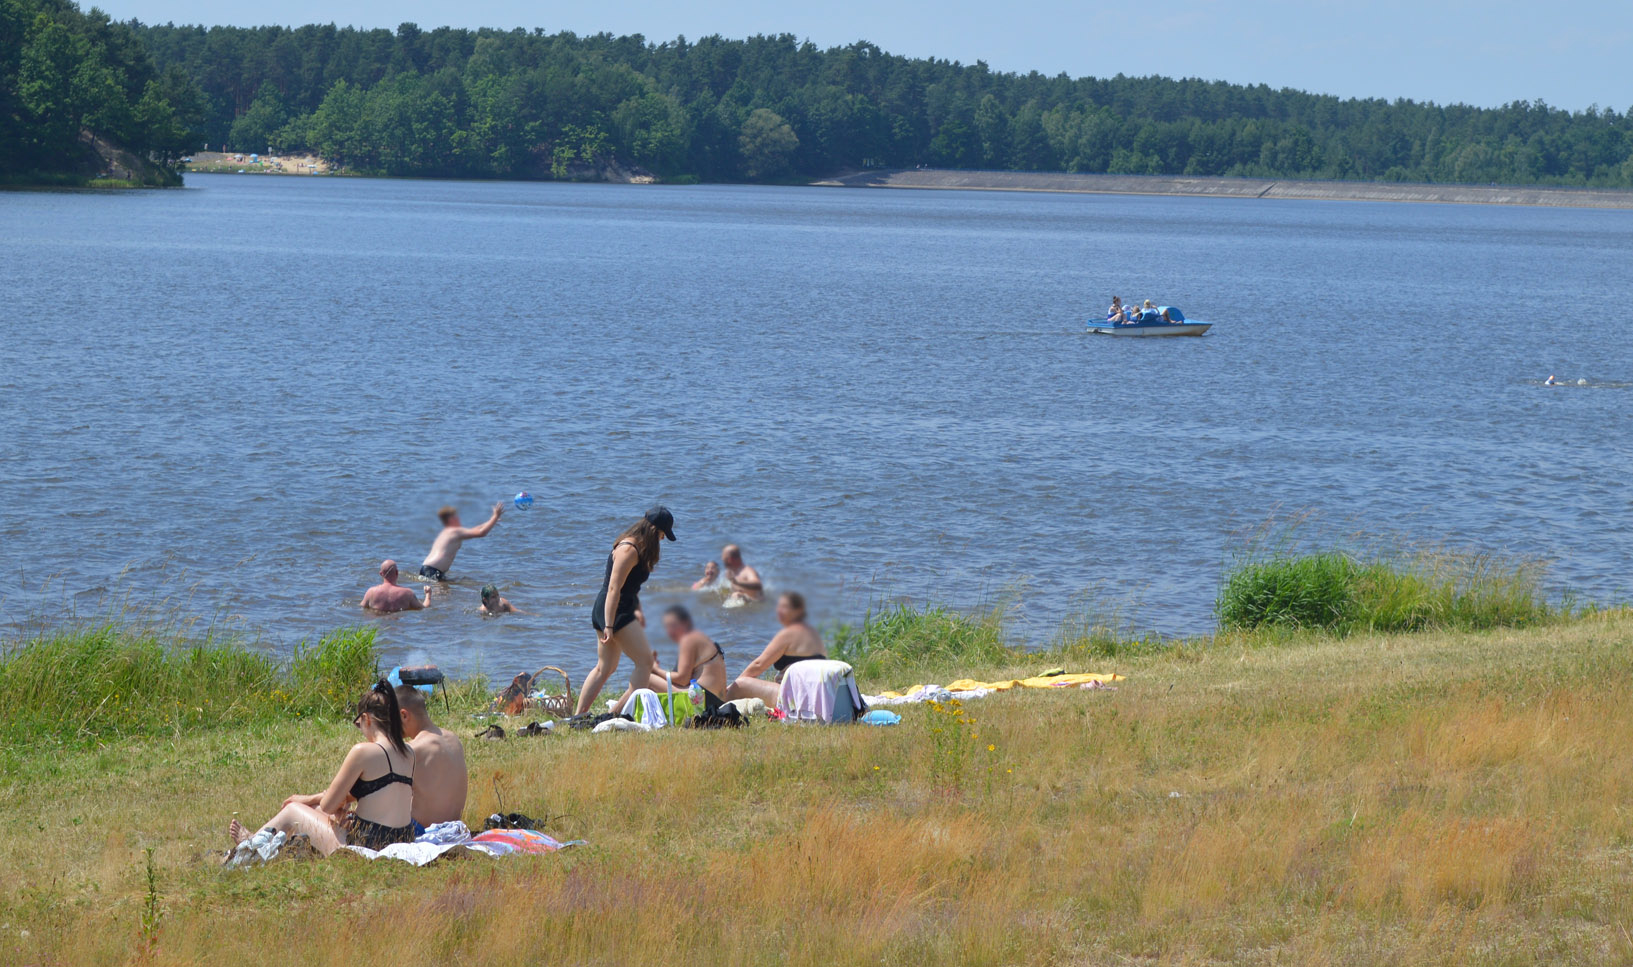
column 440, row 778
column 388, row 596
column 452, row 537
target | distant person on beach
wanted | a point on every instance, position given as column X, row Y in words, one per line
column 710, row 578
column 377, row 775
column 745, row 581
column 450, row 539
column 389, row 597
column 441, row 781
column 620, row 627
column 697, row 657
column 796, row 642
column 492, row 603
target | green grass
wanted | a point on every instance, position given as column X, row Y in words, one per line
column 901, row 641
column 1344, row 593
column 91, row 683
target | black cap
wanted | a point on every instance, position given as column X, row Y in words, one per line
column 663, row 520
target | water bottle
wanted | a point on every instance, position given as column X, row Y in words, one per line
column 695, row 691
column 523, row 500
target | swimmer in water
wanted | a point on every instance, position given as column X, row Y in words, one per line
column 711, row 577
column 449, row 540
column 1550, row 381
column 492, row 603
column 745, row 581
column 388, row 597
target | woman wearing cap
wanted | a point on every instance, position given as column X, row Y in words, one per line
column 620, row 627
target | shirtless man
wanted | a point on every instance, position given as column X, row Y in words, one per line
column 492, row 603
column 744, row 579
column 388, row 596
column 440, row 778
column 449, row 540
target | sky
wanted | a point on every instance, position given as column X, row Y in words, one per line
column 1570, row 53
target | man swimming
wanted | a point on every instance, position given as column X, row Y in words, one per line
column 388, row 596
column 744, row 579
column 440, row 778
column 449, row 540
column 492, row 603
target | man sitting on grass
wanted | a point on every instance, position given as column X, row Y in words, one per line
column 440, row 778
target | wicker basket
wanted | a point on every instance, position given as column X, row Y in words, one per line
column 560, row 706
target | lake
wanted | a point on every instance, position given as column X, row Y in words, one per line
column 226, row 404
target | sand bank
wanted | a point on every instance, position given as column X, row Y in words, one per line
column 1231, row 187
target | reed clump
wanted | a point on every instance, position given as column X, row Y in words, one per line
column 903, row 640
column 117, row 679
column 1346, row 593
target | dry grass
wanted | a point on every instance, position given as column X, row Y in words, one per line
column 1440, row 798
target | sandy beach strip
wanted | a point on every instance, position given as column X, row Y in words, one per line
column 944, row 179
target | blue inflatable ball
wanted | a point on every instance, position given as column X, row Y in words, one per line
column 524, row 500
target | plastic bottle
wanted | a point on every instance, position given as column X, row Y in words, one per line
column 695, row 691
column 523, row 500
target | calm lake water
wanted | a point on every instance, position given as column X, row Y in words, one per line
column 230, row 402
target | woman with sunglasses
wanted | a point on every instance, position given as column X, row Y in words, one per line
column 377, row 777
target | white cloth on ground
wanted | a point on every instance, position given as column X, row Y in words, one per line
column 819, row 690
column 643, row 704
column 620, row 725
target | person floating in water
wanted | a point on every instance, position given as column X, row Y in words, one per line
column 449, row 540
column 389, row 597
column 1550, row 381
column 492, row 603
column 710, row 578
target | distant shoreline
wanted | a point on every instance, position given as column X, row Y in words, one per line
column 1217, row 187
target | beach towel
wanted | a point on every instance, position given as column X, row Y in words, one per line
column 820, row 690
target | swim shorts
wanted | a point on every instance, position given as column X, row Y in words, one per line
column 435, row 574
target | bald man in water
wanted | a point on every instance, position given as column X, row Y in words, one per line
column 744, row 579
column 441, row 780
column 388, row 596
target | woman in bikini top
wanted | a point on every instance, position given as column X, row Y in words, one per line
column 796, row 642
column 378, row 773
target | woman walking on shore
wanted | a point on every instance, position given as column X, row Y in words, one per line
column 620, row 627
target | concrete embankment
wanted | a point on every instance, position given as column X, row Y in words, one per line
column 1231, row 187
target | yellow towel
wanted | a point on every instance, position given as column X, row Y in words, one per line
column 1052, row 681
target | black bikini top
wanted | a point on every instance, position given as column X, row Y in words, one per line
column 368, row 787
column 782, row 663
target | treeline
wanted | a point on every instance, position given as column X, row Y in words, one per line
column 66, row 76
column 491, row 103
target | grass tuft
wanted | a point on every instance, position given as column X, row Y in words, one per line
column 1343, row 593
column 113, row 679
column 902, row 640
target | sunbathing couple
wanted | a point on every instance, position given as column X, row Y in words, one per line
column 406, row 774
column 620, row 628
column 389, row 597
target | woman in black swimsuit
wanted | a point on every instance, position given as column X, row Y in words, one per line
column 796, row 642
column 378, row 775
column 620, row 627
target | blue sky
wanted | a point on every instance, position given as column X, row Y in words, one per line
column 1570, row 53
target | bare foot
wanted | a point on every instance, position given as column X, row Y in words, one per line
column 236, row 832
